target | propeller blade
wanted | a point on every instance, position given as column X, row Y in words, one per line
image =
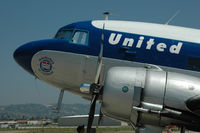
column 100, row 117
column 100, row 57
column 95, row 88
column 91, row 114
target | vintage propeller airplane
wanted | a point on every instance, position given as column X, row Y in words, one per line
column 145, row 74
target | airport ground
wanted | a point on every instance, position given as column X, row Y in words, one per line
column 73, row 130
column 66, row 130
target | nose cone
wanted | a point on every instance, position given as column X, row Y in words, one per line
column 23, row 56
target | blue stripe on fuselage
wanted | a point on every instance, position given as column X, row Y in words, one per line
column 142, row 54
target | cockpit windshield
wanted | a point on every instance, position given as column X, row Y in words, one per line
column 64, row 34
column 78, row 37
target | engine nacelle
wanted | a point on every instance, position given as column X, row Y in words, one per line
column 129, row 92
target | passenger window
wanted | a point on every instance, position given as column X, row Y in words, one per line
column 64, row 34
column 194, row 62
column 80, row 37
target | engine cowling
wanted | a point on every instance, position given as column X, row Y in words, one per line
column 129, row 92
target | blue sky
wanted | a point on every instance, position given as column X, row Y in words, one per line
column 22, row 21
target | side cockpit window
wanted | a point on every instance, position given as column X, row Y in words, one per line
column 64, row 34
column 80, row 37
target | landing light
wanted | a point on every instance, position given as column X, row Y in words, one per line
column 85, row 88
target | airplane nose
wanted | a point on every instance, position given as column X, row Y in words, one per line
column 23, row 56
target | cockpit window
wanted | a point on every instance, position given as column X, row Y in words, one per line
column 80, row 37
column 64, row 34
column 77, row 37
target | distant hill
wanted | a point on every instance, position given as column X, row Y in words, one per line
column 37, row 111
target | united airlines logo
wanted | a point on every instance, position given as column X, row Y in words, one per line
column 114, row 39
column 46, row 65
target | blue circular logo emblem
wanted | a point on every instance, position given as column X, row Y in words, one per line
column 46, row 65
column 125, row 89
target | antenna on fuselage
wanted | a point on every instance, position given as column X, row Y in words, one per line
column 177, row 12
column 106, row 14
